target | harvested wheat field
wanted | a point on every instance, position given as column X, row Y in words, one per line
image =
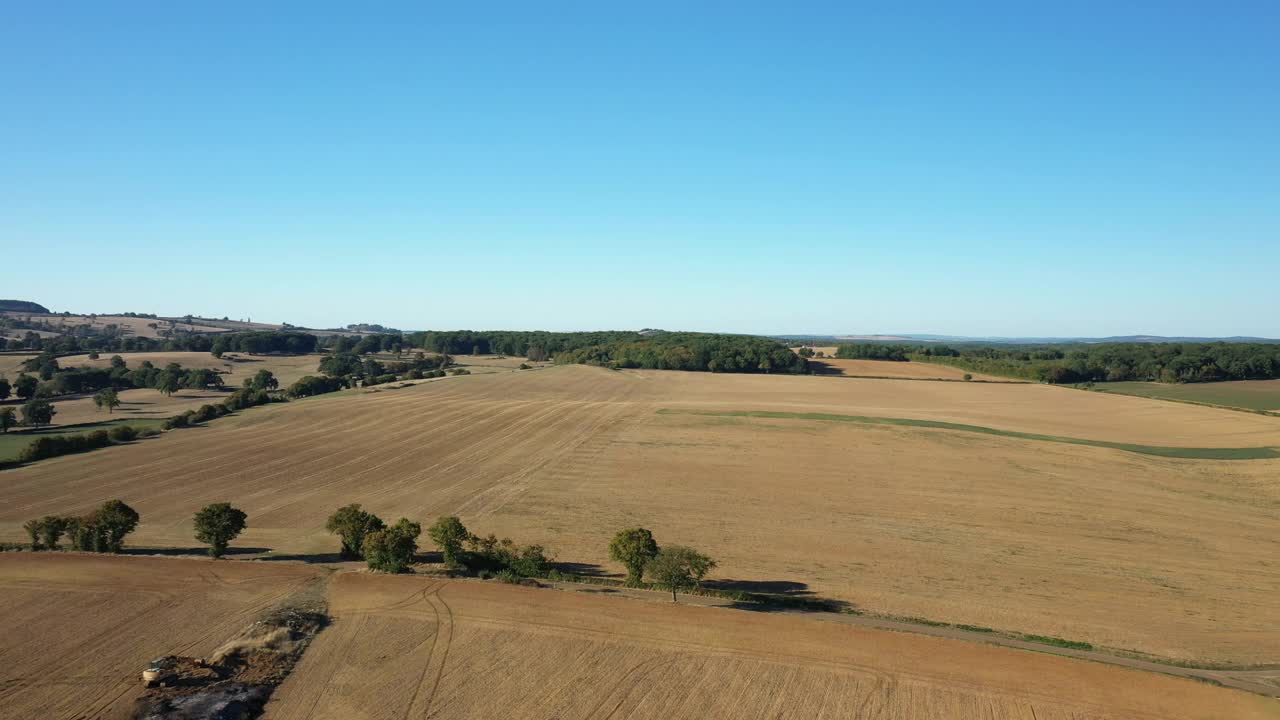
column 79, row 629
column 1114, row 546
column 11, row 364
column 413, row 647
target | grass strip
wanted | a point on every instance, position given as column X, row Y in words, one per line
column 1186, row 453
column 13, row 442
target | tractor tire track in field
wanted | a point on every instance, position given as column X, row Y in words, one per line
column 539, row 653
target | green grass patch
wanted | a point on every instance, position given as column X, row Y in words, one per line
column 13, row 442
column 1189, row 453
column 1058, row 642
column 1261, row 395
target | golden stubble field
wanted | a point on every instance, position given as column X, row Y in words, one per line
column 79, row 629
column 1126, row 551
column 415, row 647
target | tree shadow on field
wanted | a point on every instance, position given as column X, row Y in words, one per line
column 818, row 367
column 584, row 569
column 770, row 587
column 331, row 557
column 778, row 596
column 201, row 551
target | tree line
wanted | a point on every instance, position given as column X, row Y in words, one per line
column 692, row 351
column 388, row 548
column 87, row 338
column 104, row 529
column 1095, row 362
column 51, row 380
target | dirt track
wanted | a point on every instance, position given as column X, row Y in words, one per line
column 403, row 647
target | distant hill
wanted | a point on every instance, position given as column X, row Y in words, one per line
column 22, row 306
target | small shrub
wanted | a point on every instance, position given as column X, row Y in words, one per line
column 123, row 433
column 47, row 446
column 147, row 432
column 179, row 421
column 491, row 555
column 314, row 385
column 204, row 414
column 415, row 374
column 525, row 366
column 459, row 371
column 968, row 377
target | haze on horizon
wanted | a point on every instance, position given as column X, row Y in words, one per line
column 989, row 170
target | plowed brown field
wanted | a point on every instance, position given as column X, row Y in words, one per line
column 77, row 630
column 1170, row 557
column 413, row 648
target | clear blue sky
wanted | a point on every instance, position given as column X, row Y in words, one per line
column 970, row 168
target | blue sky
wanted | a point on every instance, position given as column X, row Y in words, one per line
column 964, row 168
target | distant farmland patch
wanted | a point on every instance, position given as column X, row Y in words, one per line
column 1247, row 394
column 1244, row 453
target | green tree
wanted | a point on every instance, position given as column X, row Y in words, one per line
column 8, row 418
column 38, row 412
column 169, row 381
column 201, row 379
column 448, row 533
column 5, row 389
column 634, row 548
column 107, row 398
column 262, row 380
column 51, row 529
column 33, row 530
column 117, row 362
column 25, row 386
column 679, row 568
column 392, row 550
column 217, row 525
column 352, row 524
column 115, row 519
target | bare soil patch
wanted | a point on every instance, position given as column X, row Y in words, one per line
column 79, row 629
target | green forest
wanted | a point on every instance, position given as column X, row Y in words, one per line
column 1095, row 362
column 691, row 351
